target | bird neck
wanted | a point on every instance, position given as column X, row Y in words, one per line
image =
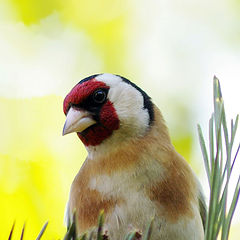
column 155, row 142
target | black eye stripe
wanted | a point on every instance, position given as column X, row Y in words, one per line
column 94, row 107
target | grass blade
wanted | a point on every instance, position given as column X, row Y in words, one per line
column 23, row 230
column 83, row 237
column 42, row 231
column 11, row 232
column 211, row 142
column 91, row 235
column 226, row 227
column 148, row 232
column 100, row 225
column 132, row 236
column 204, row 152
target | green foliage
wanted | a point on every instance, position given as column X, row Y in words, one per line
column 219, row 164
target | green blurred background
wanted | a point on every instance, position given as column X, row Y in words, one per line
column 171, row 49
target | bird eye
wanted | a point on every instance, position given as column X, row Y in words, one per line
column 99, row 96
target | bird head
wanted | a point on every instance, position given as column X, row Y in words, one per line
column 107, row 108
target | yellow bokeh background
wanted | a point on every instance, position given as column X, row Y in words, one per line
column 36, row 164
column 47, row 46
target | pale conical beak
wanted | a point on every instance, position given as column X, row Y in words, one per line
column 77, row 121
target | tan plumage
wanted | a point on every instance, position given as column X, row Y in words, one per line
column 140, row 178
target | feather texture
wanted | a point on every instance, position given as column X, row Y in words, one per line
column 141, row 178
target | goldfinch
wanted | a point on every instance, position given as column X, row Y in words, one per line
column 132, row 170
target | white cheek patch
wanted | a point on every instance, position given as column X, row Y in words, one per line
column 128, row 103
